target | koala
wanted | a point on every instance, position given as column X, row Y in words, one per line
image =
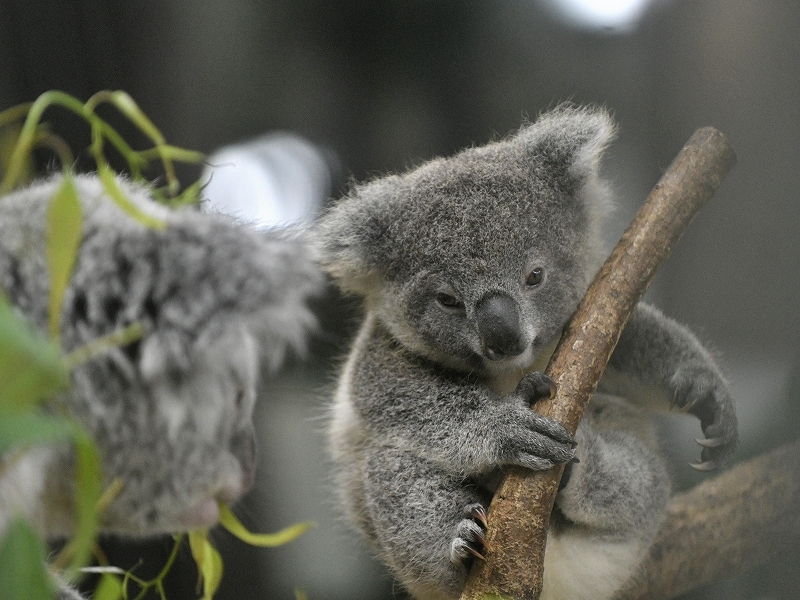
column 171, row 413
column 469, row 268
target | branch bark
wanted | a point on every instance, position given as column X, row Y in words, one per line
column 743, row 518
column 520, row 511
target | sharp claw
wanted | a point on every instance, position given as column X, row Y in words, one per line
column 687, row 407
column 673, row 401
column 710, row 442
column 475, row 553
column 708, row 465
column 482, row 539
column 479, row 513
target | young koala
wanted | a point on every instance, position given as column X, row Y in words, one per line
column 470, row 267
column 172, row 412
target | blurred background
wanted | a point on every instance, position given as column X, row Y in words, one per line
column 354, row 88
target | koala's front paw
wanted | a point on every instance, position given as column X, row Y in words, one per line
column 701, row 392
column 469, row 538
column 532, row 440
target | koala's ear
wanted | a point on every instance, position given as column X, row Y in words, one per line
column 564, row 148
column 351, row 239
column 569, row 141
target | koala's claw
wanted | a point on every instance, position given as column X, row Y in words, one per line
column 702, row 393
column 711, row 442
column 469, row 538
column 477, row 512
column 708, row 465
column 537, row 386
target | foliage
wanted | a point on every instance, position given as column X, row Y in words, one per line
column 33, row 370
column 208, row 561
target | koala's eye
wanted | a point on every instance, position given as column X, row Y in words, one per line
column 535, row 277
column 448, row 301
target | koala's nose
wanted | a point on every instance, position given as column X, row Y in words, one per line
column 498, row 326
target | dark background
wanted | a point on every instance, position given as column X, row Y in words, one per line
column 386, row 83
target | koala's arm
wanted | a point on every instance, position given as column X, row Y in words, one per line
column 661, row 361
column 450, row 418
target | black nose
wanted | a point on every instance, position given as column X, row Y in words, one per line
column 498, row 326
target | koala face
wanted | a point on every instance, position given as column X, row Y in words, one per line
column 177, row 433
column 493, row 300
column 476, row 261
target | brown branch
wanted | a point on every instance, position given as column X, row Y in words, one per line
column 520, row 511
column 743, row 518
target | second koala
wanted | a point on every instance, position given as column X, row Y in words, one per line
column 469, row 267
column 172, row 412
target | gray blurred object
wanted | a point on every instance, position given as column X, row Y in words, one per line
column 276, row 179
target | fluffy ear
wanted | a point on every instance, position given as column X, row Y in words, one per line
column 570, row 140
column 566, row 146
column 351, row 240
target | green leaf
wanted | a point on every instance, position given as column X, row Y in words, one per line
column 19, row 429
column 88, row 487
column 265, row 540
column 30, row 129
column 101, row 345
column 209, row 562
column 113, row 190
column 108, row 588
column 64, row 234
column 30, row 366
column 22, row 572
column 130, row 109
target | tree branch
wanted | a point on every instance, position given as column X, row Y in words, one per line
column 743, row 518
column 520, row 511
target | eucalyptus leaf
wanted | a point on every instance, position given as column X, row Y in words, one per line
column 209, row 562
column 64, row 234
column 108, row 588
column 88, row 488
column 113, row 190
column 127, row 106
column 22, row 572
column 19, row 429
column 266, row 540
column 30, row 366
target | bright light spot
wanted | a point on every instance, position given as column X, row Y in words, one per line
column 600, row 14
column 274, row 180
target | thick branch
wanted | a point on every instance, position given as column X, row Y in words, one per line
column 520, row 511
column 745, row 517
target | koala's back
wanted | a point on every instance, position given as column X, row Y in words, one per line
column 24, row 275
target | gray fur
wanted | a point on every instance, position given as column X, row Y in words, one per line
column 434, row 398
column 171, row 413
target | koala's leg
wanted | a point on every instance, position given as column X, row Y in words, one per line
column 610, row 508
column 420, row 525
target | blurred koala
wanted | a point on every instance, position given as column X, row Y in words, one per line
column 171, row 412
